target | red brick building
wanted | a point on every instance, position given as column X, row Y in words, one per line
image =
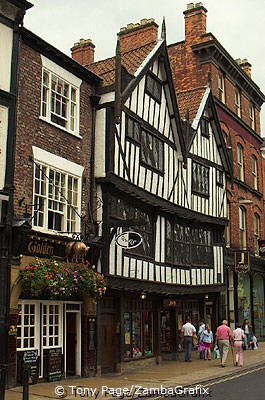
column 52, row 203
column 198, row 60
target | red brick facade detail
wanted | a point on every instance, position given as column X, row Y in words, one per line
column 83, row 52
column 137, row 35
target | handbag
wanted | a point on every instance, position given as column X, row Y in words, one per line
column 195, row 341
column 201, row 347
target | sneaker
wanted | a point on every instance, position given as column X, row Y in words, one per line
column 236, row 364
column 222, row 366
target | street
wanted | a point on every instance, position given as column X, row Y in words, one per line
column 248, row 385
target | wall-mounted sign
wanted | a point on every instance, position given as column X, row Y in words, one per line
column 242, row 261
column 129, row 240
column 262, row 248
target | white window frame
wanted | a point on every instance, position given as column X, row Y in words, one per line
column 256, row 233
column 221, row 87
column 252, row 116
column 35, row 325
column 240, row 162
column 74, row 83
column 68, row 168
column 52, row 325
column 238, row 102
column 254, row 171
column 242, row 228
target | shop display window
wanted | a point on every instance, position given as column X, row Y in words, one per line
column 138, row 334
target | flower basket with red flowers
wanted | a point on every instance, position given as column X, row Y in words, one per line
column 55, row 280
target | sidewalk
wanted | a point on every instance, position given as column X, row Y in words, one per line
column 168, row 374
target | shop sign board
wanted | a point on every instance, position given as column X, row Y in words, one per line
column 54, row 364
column 242, row 261
column 31, row 363
column 262, row 248
column 129, row 240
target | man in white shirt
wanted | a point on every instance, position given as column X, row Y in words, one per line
column 188, row 330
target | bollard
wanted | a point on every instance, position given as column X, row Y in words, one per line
column 25, row 384
column 3, row 372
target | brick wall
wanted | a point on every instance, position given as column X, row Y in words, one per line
column 31, row 131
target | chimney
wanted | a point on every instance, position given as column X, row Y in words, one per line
column 246, row 66
column 83, row 52
column 195, row 21
column 134, row 36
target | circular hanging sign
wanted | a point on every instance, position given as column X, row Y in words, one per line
column 129, row 240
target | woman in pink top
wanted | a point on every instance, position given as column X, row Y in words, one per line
column 238, row 336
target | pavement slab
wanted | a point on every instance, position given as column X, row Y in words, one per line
column 167, row 374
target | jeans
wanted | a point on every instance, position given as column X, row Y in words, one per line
column 188, row 347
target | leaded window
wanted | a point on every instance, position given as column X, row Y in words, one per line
column 56, row 204
column 133, row 129
column 205, row 127
column 152, row 151
column 219, row 178
column 123, row 211
column 59, row 101
column 200, row 179
column 153, row 87
column 187, row 245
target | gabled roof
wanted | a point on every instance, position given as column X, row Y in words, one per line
column 192, row 104
column 131, row 60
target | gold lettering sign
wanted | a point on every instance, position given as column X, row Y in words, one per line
column 40, row 248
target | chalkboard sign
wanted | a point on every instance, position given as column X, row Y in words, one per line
column 31, row 363
column 54, row 366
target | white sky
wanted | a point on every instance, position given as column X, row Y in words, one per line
column 237, row 24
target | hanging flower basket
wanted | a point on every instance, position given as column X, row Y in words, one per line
column 55, row 280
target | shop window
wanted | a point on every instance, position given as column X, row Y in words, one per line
column 254, row 171
column 56, row 200
column 200, row 179
column 188, row 246
column 256, row 233
column 258, row 305
column 242, row 228
column 243, row 292
column 27, row 326
column 122, row 210
column 153, row 87
column 240, row 162
column 138, row 334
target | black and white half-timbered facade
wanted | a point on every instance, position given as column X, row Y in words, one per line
column 165, row 179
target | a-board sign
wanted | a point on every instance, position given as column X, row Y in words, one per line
column 129, row 240
column 31, row 362
column 54, row 364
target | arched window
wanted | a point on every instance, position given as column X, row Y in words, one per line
column 254, row 171
column 242, row 228
column 240, row 162
column 256, row 233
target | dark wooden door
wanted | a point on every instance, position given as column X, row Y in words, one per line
column 70, row 343
column 109, row 343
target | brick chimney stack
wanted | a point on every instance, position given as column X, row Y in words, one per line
column 83, row 52
column 195, row 22
column 246, row 66
column 134, row 36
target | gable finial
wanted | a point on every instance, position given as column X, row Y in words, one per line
column 164, row 30
column 117, row 106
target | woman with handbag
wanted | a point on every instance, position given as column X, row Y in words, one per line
column 248, row 334
column 239, row 336
column 207, row 341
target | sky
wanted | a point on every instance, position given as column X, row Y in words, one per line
column 237, row 24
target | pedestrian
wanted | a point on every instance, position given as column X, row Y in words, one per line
column 223, row 338
column 188, row 330
column 207, row 340
column 200, row 330
column 238, row 336
column 247, row 328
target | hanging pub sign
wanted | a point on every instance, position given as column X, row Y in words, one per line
column 262, row 248
column 242, row 261
column 129, row 240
